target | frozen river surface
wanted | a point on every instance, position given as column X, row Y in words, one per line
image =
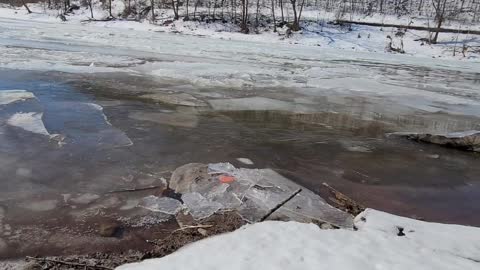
column 87, row 110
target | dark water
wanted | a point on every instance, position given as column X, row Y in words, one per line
column 343, row 143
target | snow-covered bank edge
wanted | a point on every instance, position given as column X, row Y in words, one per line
column 380, row 241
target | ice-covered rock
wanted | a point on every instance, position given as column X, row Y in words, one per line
column 467, row 140
column 189, row 177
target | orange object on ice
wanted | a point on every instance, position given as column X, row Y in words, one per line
column 226, row 179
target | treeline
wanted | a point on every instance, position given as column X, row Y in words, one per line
column 250, row 14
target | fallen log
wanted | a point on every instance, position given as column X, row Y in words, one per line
column 412, row 27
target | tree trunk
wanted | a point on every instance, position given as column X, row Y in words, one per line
column 256, row 14
column 175, row 10
column 295, row 26
column 90, row 6
column 281, row 9
column 435, row 38
column 110, row 8
column 214, row 9
column 244, row 23
column 273, row 15
column 152, row 3
column 195, row 9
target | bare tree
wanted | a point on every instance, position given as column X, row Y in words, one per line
column 439, row 7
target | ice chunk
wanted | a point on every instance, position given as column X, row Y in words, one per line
column 216, row 168
column 199, row 206
column 30, row 121
column 161, row 204
column 245, row 161
column 10, row 96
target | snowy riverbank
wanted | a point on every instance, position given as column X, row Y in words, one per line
column 381, row 241
column 316, row 31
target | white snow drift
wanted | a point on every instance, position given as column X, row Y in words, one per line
column 290, row 245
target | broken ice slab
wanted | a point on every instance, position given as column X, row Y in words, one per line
column 29, row 121
column 271, row 189
column 466, row 140
column 161, row 204
column 199, row 206
column 11, row 96
column 254, row 193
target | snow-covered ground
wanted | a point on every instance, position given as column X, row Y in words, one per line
column 382, row 241
column 316, row 31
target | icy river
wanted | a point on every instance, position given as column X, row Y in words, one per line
column 88, row 113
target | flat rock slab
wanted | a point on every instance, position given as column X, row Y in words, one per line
column 467, row 140
column 256, row 194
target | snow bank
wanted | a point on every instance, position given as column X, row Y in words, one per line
column 292, row 245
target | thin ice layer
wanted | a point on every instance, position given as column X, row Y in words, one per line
column 161, row 204
column 199, row 206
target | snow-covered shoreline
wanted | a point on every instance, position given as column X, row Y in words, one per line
column 357, row 38
column 381, row 241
